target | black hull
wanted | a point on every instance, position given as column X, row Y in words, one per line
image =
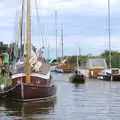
column 77, row 79
column 28, row 92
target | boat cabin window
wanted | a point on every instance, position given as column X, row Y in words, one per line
column 98, row 63
column 37, row 81
column 115, row 71
column 18, row 81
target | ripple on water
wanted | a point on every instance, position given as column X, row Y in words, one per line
column 94, row 100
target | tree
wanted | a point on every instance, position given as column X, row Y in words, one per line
column 3, row 48
column 115, row 58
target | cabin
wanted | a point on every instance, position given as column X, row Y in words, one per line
column 66, row 66
column 95, row 65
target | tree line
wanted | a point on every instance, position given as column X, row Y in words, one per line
column 115, row 55
column 115, row 58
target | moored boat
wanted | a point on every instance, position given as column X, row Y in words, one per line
column 64, row 67
column 40, row 87
column 31, row 79
column 77, row 77
column 112, row 74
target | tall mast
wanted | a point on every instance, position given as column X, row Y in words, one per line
column 56, row 16
column 62, row 39
column 41, row 32
column 20, row 26
column 109, row 33
column 77, row 59
column 48, row 54
column 79, row 51
column 27, row 41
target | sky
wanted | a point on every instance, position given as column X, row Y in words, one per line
column 84, row 21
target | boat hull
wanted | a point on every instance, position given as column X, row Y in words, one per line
column 77, row 79
column 28, row 92
column 62, row 70
column 40, row 88
column 109, row 77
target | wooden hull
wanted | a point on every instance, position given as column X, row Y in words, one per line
column 38, row 89
column 29, row 92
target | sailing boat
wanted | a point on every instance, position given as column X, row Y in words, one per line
column 31, row 78
column 77, row 76
column 64, row 66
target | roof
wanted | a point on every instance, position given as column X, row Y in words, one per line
column 96, row 63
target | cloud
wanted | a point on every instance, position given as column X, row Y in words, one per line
column 89, row 44
column 85, row 23
column 93, row 7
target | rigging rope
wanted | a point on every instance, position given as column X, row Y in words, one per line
column 38, row 21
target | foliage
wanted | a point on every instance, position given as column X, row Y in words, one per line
column 115, row 55
column 3, row 47
column 115, row 58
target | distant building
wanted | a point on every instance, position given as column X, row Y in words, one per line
column 95, row 65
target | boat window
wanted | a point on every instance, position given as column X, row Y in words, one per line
column 115, row 71
column 37, row 81
column 18, row 81
column 98, row 63
column 102, row 73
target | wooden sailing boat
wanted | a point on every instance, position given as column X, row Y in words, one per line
column 31, row 75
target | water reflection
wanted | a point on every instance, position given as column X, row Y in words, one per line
column 20, row 111
column 94, row 100
column 78, row 85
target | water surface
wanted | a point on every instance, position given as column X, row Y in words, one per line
column 94, row 100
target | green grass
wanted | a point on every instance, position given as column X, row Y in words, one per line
column 5, row 80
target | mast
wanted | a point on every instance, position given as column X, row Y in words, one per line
column 79, row 51
column 48, row 53
column 62, row 39
column 20, row 26
column 77, row 59
column 40, row 32
column 109, row 33
column 27, row 41
column 56, row 31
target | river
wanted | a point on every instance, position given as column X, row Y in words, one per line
column 94, row 100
